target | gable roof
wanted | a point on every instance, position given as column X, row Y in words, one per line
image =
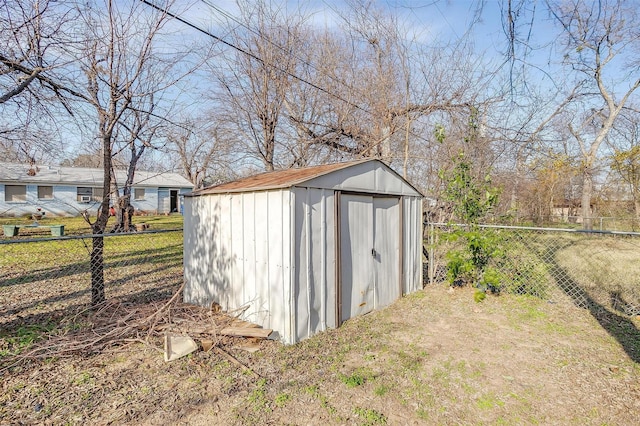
column 15, row 173
column 291, row 177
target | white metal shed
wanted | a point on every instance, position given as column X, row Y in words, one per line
column 302, row 250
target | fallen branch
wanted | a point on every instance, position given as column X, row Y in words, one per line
column 162, row 309
column 234, row 360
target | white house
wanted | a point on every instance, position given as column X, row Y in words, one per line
column 67, row 191
column 303, row 250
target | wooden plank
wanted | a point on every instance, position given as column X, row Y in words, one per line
column 243, row 324
column 246, row 332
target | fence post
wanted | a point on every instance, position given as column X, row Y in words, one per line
column 431, row 265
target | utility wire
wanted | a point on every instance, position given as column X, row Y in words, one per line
column 228, row 15
column 257, row 58
column 253, row 56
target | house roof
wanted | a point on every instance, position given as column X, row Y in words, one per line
column 13, row 173
column 287, row 178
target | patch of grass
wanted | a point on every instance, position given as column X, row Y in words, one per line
column 369, row 357
column 422, row 414
column 352, row 381
column 357, row 378
column 258, row 397
column 488, row 402
column 382, row 390
column 409, row 362
column 532, row 313
column 441, row 375
column 23, row 338
column 314, row 391
column 83, row 378
column 282, row 399
column 78, row 226
column 370, row 417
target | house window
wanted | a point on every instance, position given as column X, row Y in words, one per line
column 15, row 193
column 97, row 194
column 138, row 193
column 84, row 194
column 45, row 192
column 87, row 194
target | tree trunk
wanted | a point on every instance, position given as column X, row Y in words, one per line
column 587, row 192
column 124, row 214
column 97, row 271
column 98, row 227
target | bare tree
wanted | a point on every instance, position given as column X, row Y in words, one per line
column 391, row 90
column 202, row 150
column 595, row 40
column 123, row 75
column 34, row 37
column 625, row 159
column 32, row 33
column 256, row 76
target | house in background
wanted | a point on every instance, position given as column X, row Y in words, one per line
column 300, row 251
column 68, row 191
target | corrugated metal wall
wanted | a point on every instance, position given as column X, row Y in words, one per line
column 412, row 243
column 315, row 261
column 237, row 252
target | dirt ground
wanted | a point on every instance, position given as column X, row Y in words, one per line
column 433, row 357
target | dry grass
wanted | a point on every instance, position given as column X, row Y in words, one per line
column 434, row 357
column 607, row 258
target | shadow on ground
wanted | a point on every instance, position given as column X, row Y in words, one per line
column 618, row 326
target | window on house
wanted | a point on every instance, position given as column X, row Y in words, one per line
column 84, row 194
column 97, row 194
column 87, row 194
column 45, row 192
column 15, row 193
column 138, row 193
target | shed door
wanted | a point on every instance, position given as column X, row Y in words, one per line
column 369, row 253
column 386, row 243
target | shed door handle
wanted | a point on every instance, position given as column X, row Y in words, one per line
column 373, row 252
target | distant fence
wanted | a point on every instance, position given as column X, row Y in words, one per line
column 601, row 223
column 46, row 276
column 587, row 268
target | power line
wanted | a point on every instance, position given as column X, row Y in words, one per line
column 253, row 56
column 257, row 58
column 228, row 15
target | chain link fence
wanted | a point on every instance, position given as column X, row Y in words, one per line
column 48, row 278
column 585, row 268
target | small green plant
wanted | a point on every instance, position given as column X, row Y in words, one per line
column 352, row 381
column 258, row 397
column 370, row 417
column 312, row 390
column 282, row 399
column 382, row 390
column 479, row 296
column 84, row 378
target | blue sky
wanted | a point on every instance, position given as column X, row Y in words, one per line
column 432, row 22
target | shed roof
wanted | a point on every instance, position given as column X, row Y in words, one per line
column 289, row 178
column 55, row 175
